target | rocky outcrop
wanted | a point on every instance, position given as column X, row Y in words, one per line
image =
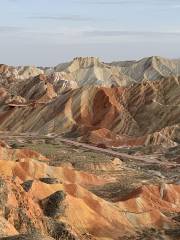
column 32, row 236
column 29, row 72
column 53, row 205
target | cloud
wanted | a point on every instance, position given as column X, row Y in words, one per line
column 76, row 18
column 7, row 29
column 117, row 33
column 161, row 3
column 175, row 6
column 108, row 2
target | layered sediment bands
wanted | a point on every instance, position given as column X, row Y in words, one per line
column 137, row 111
column 91, row 71
column 151, row 68
column 65, row 209
column 137, row 99
column 126, row 107
column 7, row 153
column 37, row 88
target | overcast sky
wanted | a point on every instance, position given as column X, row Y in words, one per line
column 47, row 32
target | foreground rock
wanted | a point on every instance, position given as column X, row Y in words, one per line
column 66, row 209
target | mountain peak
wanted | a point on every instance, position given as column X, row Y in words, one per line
column 86, row 61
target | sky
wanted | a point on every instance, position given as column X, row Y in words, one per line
column 48, row 32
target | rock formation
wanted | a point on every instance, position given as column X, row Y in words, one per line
column 129, row 111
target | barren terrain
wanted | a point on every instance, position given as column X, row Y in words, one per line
column 90, row 150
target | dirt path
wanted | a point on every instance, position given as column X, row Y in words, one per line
column 145, row 158
column 124, row 156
